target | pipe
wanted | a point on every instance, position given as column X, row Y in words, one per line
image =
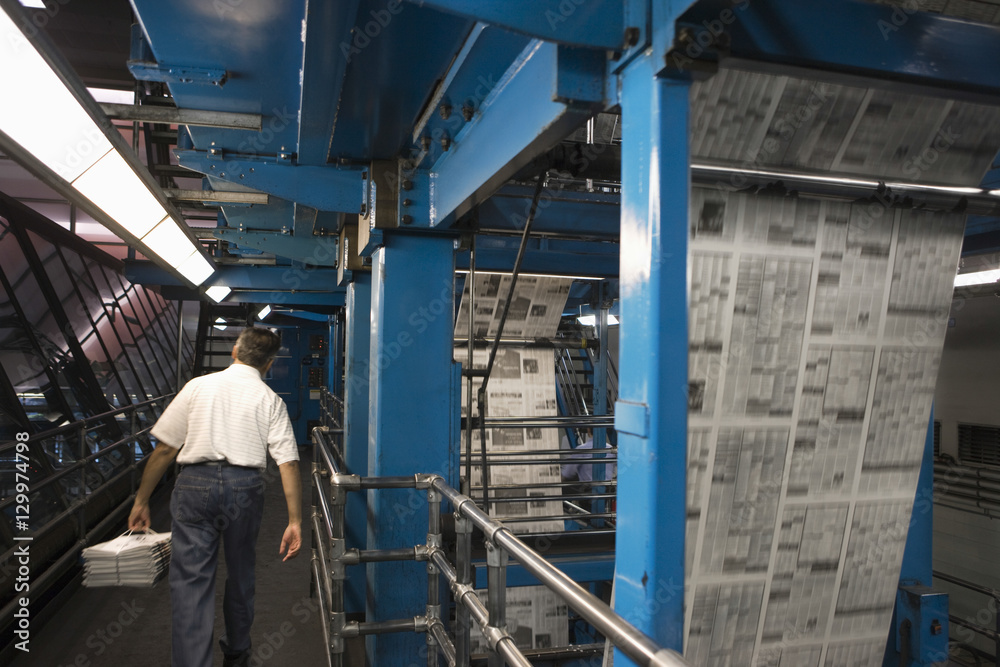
column 321, row 549
column 469, row 365
column 324, row 505
column 332, row 659
column 622, row 634
column 400, row 482
column 444, row 642
column 381, row 627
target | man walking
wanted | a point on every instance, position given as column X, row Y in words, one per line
column 220, row 428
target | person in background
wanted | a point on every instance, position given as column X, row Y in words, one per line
column 578, row 468
column 220, row 429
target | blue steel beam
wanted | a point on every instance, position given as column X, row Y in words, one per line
column 333, row 298
column 582, row 214
column 847, row 40
column 327, row 26
column 597, row 24
column 310, row 250
column 548, row 256
column 472, row 75
column 258, row 43
column 356, row 388
column 651, row 413
column 296, row 278
column 323, row 188
column 550, row 90
column 410, row 422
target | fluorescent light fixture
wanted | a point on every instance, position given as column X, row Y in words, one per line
column 111, row 96
column 40, row 113
column 116, row 189
column 530, row 275
column 53, row 120
column 220, row 324
column 196, row 268
column 591, row 320
column 264, row 312
column 218, row 292
column 977, row 278
column 33, row 4
column 169, row 242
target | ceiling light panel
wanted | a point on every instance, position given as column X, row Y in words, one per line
column 40, row 113
column 118, row 191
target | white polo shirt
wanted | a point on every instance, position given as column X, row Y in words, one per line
column 231, row 415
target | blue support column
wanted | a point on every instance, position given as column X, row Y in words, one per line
column 357, row 337
column 651, row 414
column 410, row 425
column 335, row 354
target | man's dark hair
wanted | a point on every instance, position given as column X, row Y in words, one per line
column 256, row 346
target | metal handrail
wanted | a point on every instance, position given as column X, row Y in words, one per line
column 501, row 543
column 76, row 507
column 75, row 426
column 993, row 593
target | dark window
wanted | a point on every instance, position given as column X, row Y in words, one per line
column 979, row 444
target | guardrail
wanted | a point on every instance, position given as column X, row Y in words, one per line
column 330, row 559
column 89, row 474
column 990, row 633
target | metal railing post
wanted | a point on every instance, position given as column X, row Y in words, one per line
column 133, row 426
column 433, row 574
column 496, row 578
column 337, row 572
column 463, row 566
column 81, row 523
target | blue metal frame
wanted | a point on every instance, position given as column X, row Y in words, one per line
column 550, row 256
column 410, row 425
column 651, row 415
column 596, row 24
column 551, row 90
column 323, row 188
column 356, row 390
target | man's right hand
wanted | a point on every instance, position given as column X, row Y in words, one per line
column 291, row 541
column 139, row 518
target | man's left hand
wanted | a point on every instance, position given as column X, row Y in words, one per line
column 291, row 541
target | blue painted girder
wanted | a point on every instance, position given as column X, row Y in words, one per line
column 330, row 298
column 310, row 250
column 548, row 256
column 596, row 24
column 258, row 43
column 471, row 77
column 396, row 55
column 848, row 39
column 329, row 188
column 242, row 276
column 328, row 25
column 550, row 90
column 583, row 214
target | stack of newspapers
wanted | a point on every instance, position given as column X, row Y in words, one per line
column 132, row 559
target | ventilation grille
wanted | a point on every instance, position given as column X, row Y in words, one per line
column 979, row 444
column 937, row 438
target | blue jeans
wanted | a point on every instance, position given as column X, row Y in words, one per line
column 210, row 502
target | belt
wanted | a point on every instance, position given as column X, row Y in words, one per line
column 221, row 463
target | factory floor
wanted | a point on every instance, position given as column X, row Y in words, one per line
column 128, row 627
